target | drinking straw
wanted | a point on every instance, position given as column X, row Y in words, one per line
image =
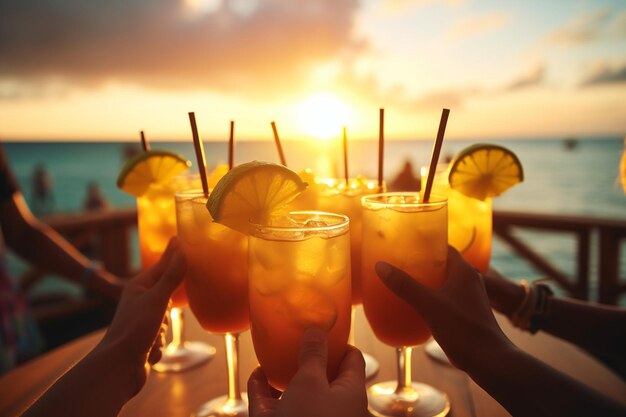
column 434, row 158
column 381, row 147
column 231, row 143
column 199, row 148
column 278, row 145
column 144, row 142
column 345, row 154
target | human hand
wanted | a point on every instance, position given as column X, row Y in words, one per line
column 137, row 330
column 107, row 284
column 309, row 394
column 458, row 314
column 505, row 295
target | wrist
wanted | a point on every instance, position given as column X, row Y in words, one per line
column 485, row 340
column 124, row 370
column 490, row 350
column 497, row 365
column 504, row 295
column 534, row 309
column 102, row 282
column 89, row 274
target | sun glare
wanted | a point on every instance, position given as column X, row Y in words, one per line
column 322, row 115
column 202, row 7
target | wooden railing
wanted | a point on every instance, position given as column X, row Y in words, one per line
column 608, row 235
column 111, row 230
column 104, row 236
column 107, row 232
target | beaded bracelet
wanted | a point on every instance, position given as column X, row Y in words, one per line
column 541, row 309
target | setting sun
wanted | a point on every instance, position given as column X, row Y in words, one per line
column 322, row 115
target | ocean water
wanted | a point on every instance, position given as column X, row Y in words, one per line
column 579, row 181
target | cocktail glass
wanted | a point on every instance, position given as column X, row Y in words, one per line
column 413, row 236
column 156, row 223
column 299, row 271
column 217, row 287
column 338, row 196
column 469, row 231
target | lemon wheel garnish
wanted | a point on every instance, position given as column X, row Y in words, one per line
column 482, row 171
column 149, row 168
column 253, row 191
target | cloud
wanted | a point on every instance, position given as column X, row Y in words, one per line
column 223, row 45
column 400, row 6
column 534, row 77
column 476, row 25
column 599, row 24
column 605, row 75
column 370, row 90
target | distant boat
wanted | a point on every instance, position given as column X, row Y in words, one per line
column 570, row 143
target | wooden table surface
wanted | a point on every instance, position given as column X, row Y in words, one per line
column 179, row 394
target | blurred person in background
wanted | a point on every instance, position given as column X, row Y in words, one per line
column 41, row 246
column 95, row 199
column 43, row 199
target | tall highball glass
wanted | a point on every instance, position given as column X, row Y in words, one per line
column 299, row 271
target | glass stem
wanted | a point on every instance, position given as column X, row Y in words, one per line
column 404, row 369
column 178, row 328
column 232, row 363
column 351, row 336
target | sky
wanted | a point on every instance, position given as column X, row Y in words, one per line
column 104, row 70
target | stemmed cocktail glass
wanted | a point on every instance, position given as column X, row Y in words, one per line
column 400, row 229
column 156, row 223
column 217, row 287
column 299, row 271
column 469, row 231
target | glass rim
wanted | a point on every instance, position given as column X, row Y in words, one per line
column 190, row 194
column 375, row 200
column 267, row 229
column 342, row 180
column 442, row 167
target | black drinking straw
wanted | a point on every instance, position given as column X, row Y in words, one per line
column 434, row 158
column 381, row 147
column 345, row 154
column 199, row 148
column 281, row 155
column 231, row 145
column 144, row 142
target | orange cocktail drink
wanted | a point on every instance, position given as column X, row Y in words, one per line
column 299, row 271
column 156, row 224
column 336, row 196
column 217, row 272
column 412, row 236
column 217, row 286
column 469, row 220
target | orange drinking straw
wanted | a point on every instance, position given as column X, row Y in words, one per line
column 345, row 154
column 231, row 145
column 278, row 145
column 381, row 147
column 434, row 158
column 144, row 142
column 199, row 148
